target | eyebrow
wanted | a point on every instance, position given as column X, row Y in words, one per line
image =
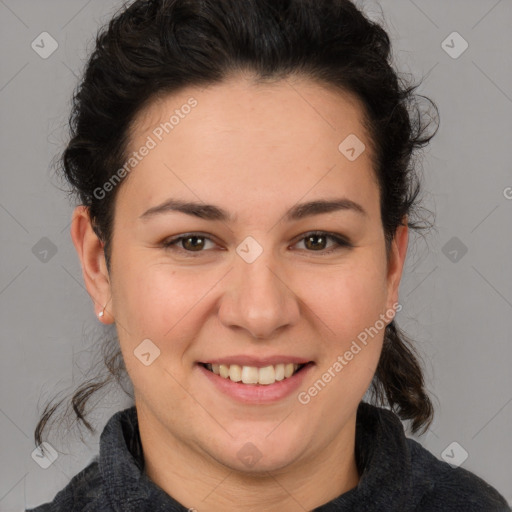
column 216, row 213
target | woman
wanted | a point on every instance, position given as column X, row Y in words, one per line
column 246, row 194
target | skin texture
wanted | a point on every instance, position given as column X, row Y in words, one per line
column 256, row 151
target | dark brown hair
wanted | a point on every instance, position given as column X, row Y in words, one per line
column 151, row 48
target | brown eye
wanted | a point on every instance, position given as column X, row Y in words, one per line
column 192, row 242
column 316, row 242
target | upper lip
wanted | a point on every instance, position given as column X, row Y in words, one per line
column 260, row 362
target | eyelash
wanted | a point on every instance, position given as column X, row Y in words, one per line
column 340, row 243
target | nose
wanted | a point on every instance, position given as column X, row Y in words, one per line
column 259, row 298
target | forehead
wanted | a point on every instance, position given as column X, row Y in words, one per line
column 295, row 103
column 274, row 139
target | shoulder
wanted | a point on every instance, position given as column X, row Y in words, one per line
column 84, row 493
column 450, row 488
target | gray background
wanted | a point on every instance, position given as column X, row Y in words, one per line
column 458, row 307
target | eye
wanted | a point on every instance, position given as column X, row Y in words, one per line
column 191, row 243
column 320, row 238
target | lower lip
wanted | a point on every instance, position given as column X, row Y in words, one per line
column 257, row 393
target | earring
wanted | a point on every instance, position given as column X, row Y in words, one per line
column 101, row 313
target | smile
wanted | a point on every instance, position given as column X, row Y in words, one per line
column 255, row 375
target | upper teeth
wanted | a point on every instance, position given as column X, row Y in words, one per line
column 253, row 374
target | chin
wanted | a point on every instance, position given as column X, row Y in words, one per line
column 253, row 462
column 258, row 454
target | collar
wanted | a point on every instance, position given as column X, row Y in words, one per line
column 382, row 456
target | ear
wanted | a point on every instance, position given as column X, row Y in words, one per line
column 396, row 262
column 92, row 258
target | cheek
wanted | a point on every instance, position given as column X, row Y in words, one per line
column 348, row 299
column 156, row 302
column 159, row 302
column 148, row 297
column 349, row 305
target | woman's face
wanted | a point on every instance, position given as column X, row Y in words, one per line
column 253, row 287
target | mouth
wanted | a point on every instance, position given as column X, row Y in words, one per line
column 255, row 375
